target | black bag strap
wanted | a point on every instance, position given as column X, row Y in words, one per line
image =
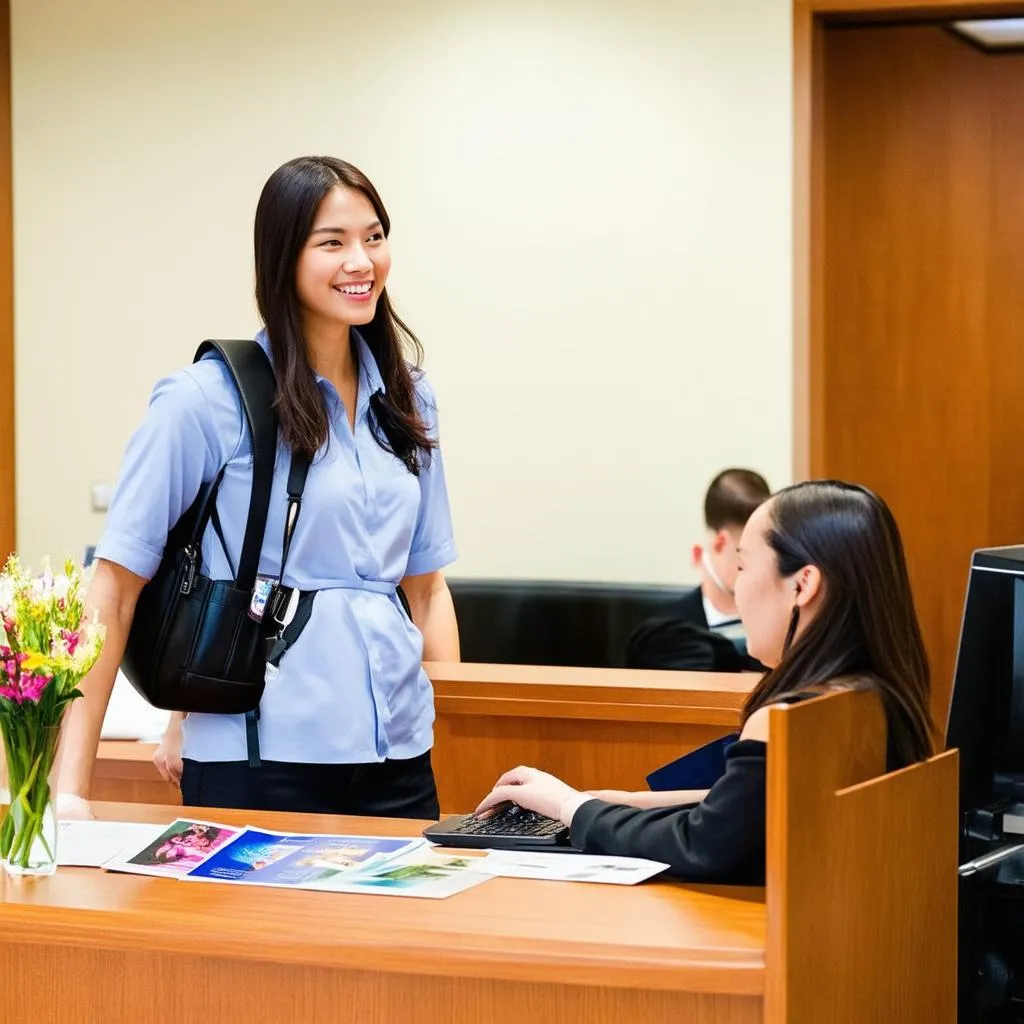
column 276, row 645
column 297, row 472
column 254, row 378
column 202, row 510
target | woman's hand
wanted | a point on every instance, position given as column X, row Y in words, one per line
column 534, row 790
column 71, row 807
column 168, row 755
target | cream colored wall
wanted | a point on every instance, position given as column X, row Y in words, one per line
column 591, row 207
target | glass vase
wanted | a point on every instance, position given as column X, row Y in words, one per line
column 28, row 829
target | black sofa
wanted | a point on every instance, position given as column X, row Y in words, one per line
column 554, row 622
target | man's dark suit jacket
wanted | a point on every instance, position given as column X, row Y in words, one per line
column 684, row 642
column 691, row 608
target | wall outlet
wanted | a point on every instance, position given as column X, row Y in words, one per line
column 101, row 497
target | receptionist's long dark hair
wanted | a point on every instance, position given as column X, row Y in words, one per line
column 867, row 627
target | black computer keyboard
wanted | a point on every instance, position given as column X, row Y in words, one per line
column 510, row 828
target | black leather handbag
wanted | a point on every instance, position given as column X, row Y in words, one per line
column 193, row 645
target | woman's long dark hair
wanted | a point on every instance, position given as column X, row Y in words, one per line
column 866, row 626
column 284, row 219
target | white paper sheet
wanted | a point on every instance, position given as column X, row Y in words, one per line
column 90, row 844
column 569, row 867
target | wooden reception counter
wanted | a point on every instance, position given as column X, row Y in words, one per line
column 596, row 728
column 857, row 922
column 88, row 946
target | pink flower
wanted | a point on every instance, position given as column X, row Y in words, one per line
column 71, row 640
column 28, row 688
column 33, row 686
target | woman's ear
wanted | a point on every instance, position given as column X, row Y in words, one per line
column 807, row 585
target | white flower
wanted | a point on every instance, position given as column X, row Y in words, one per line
column 61, row 586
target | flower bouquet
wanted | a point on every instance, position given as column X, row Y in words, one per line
column 45, row 650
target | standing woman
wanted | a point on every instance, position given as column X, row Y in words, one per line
column 346, row 722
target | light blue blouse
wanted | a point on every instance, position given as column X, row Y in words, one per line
column 352, row 688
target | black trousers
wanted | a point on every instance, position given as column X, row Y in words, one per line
column 390, row 789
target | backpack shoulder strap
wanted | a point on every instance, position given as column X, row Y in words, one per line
column 254, row 377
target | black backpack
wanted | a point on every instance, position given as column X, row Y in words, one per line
column 193, row 645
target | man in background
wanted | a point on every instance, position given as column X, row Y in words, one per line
column 705, row 633
column 730, row 501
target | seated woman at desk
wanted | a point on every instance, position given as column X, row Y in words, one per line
column 824, row 596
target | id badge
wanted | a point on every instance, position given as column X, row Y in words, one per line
column 260, row 594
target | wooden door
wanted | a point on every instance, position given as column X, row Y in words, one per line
column 917, row 339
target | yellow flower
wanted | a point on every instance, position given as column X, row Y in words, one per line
column 33, row 661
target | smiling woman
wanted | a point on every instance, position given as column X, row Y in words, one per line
column 322, row 262
column 345, row 721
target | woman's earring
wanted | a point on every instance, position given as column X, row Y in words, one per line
column 794, row 621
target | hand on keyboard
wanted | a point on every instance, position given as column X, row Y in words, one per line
column 531, row 789
column 510, row 819
column 507, row 826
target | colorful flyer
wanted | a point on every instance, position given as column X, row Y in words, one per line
column 201, row 851
column 258, row 857
column 182, row 846
column 421, row 872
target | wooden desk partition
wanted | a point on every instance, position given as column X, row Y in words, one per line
column 858, row 923
column 596, row 728
column 861, row 872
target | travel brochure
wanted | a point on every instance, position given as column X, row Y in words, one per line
column 205, row 851
column 330, row 863
column 177, row 850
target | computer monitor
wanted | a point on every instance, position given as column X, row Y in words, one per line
column 986, row 714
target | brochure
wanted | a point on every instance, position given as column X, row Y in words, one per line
column 420, row 872
column 258, row 857
column 199, row 851
column 180, row 847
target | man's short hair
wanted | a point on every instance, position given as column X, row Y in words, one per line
column 732, row 498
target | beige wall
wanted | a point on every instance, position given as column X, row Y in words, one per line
column 591, row 207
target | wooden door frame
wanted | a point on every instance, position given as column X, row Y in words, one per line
column 809, row 20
